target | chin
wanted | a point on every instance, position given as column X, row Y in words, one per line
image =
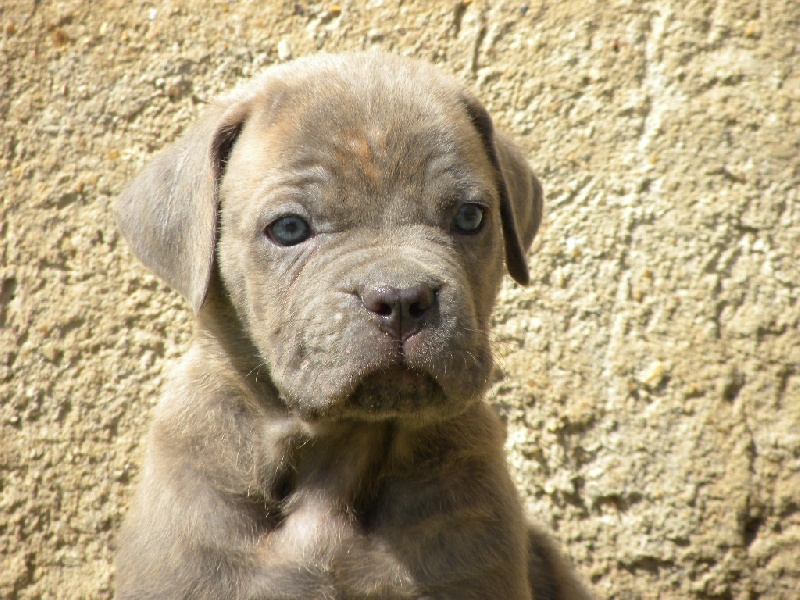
column 396, row 392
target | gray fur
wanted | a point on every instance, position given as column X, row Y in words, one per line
column 321, row 438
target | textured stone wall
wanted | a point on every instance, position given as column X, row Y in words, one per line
column 650, row 375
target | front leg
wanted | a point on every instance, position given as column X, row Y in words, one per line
column 445, row 523
column 550, row 573
column 460, row 535
column 184, row 540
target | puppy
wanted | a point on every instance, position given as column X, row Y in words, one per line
column 340, row 227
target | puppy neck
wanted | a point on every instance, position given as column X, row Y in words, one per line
column 220, row 332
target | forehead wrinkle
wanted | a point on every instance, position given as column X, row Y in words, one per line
column 400, row 155
column 303, row 175
column 291, row 185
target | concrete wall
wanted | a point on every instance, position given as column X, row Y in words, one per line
column 651, row 371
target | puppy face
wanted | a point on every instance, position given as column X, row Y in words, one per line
column 365, row 209
column 364, row 258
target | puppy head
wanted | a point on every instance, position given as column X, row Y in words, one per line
column 361, row 208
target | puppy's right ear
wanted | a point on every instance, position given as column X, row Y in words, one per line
column 169, row 213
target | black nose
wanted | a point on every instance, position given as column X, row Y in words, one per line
column 400, row 310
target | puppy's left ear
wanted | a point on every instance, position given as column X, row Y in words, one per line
column 521, row 197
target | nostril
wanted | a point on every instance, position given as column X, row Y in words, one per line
column 382, row 309
column 419, row 300
column 416, row 310
column 382, row 301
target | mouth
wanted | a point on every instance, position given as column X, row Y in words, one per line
column 397, row 390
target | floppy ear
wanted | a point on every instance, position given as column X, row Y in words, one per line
column 169, row 213
column 521, row 197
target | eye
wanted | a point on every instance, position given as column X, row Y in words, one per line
column 469, row 218
column 289, row 230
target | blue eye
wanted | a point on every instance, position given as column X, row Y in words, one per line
column 469, row 218
column 289, row 230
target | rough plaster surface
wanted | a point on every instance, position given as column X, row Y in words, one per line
column 649, row 376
